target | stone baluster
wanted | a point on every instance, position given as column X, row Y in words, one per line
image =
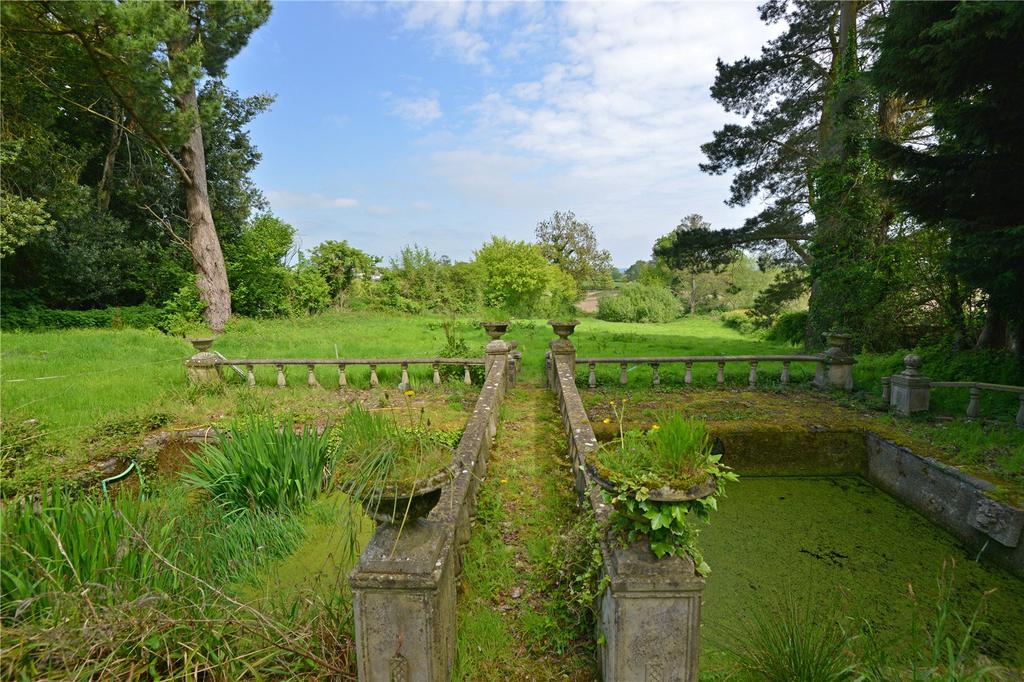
column 374, row 381
column 973, row 405
column 311, row 376
column 341, row 376
column 819, row 374
column 655, row 377
column 405, row 376
column 688, row 378
column 1020, row 412
column 437, row 374
column 281, row 382
column 592, row 378
column 753, row 374
column 466, row 378
column 886, row 389
column 250, row 375
column 720, row 379
column 784, row 380
column 623, row 377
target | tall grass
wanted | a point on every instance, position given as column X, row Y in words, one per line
column 258, row 466
column 792, row 641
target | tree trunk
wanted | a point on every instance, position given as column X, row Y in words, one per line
column 103, row 190
column 211, row 274
column 693, row 294
column 993, row 334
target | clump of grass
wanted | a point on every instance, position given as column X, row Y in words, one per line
column 675, row 449
column 258, row 466
column 792, row 640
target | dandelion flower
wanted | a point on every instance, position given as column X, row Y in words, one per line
column 654, row 427
column 606, row 420
column 410, row 393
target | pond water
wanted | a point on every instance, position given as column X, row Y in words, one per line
column 841, row 545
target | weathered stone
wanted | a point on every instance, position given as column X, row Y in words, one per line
column 909, row 391
column 998, row 521
column 202, row 368
column 839, row 372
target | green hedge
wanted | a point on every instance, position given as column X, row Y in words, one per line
column 37, row 317
column 789, row 327
column 639, row 302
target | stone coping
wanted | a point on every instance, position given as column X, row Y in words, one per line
column 346, row 361
column 704, row 358
column 404, row 585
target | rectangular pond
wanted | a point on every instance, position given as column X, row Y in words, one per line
column 846, row 548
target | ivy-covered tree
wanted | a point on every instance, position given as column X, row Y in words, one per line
column 965, row 60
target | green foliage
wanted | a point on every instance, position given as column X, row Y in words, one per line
column 456, row 346
column 259, row 466
column 34, row 318
column 341, row 264
column 256, row 269
column 740, row 320
column 570, row 244
column 183, row 312
column 21, row 219
column 639, row 302
column 792, row 640
column 520, row 281
column 310, row 292
column 675, row 452
column 789, row 328
column 789, row 285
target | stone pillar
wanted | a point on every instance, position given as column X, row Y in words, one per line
column 562, row 346
column 403, row 600
column 650, row 616
column 496, row 351
column 886, row 389
column 202, row 367
column 839, row 372
column 909, row 390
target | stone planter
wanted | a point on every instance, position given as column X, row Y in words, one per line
column 601, row 476
column 837, row 340
column 495, row 330
column 399, row 503
column 563, row 329
column 202, row 344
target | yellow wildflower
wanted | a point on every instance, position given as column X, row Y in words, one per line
column 654, row 427
column 410, row 393
column 606, row 420
column 504, row 480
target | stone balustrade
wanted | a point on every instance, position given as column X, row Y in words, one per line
column 909, row 392
column 649, row 614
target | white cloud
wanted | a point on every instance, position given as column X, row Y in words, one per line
column 422, row 205
column 379, row 210
column 286, row 199
column 611, row 125
column 417, row 110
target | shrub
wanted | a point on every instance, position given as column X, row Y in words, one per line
column 259, row 466
column 184, row 311
column 640, row 302
column 33, row 318
column 310, row 293
column 740, row 320
column 789, row 328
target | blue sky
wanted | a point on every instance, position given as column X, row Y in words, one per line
column 444, row 123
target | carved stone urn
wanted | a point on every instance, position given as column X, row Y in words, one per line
column 563, row 329
column 495, row 330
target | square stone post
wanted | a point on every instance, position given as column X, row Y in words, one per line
column 909, row 391
column 403, row 598
column 497, row 351
column 650, row 616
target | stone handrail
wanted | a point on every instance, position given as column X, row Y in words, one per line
column 404, row 586
column 909, row 392
column 649, row 613
column 821, row 366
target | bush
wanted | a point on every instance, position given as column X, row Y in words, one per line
column 261, row 467
column 34, row 318
column 640, row 302
column 789, row 328
column 184, row 311
column 310, row 293
column 740, row 320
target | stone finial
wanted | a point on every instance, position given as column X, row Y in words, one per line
column 563, row 329
column 202, row 344
column 912, row 365
column 495, row 330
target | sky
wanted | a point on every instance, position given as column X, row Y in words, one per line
column 442, row 124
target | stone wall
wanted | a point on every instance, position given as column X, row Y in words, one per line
column 649, row 624
column 404, row 586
